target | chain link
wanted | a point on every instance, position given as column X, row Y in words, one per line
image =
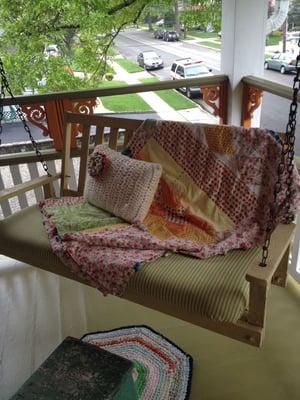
column 5, row 87
column 286, row 163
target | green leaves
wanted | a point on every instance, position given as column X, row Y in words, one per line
column 82, row 30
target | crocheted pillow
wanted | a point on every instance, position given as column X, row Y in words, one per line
column 121, row 185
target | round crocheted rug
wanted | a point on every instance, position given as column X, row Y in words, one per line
column 161, row 369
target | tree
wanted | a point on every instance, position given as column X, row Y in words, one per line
column 83, row 31
column 204, row 13
column 294, row 15
column 156, row 10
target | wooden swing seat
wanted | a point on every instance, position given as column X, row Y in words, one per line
column 226, row 294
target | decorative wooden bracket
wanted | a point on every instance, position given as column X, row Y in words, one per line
column 49, row 117
column 252, row 97
column 216, row 97
column 36, row 114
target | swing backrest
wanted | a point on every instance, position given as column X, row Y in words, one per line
column 117, row 130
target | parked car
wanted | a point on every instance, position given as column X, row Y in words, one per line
column 293, row 35
column 149, row 60
column 283, row 62
column 170, row 36
column 189, row 68
column 158, row 34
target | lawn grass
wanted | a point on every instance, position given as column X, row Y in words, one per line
column 108, row 84
column 123, row 102
column 210, row 44
column 203, row 35
column 268, row 55
column 273, row 40
column 174, row 99
column 129, row 65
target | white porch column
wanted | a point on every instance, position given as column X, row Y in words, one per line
column 243, row 44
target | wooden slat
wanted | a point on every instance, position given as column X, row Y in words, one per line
column 280, row 241
column 26, row 186
column 65, row 168
column 17, row 180
column 34, row 173
column 99, row 119
column 280, row 275
column 99, row 134
column 28, row 157
column 53, row 171
column 113, row 138
column 257, row 304
column 83, row 157
column 73, row 181
column 5, row 206
column 48, row 190
column 127, row 136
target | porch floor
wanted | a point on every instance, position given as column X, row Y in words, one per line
column 38, row 309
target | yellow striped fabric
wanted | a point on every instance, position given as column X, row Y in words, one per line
column 215, row 288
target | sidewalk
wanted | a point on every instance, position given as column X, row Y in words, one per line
column 159, row 106
column 197, row 40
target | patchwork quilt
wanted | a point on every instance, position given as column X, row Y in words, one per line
column 214, row 195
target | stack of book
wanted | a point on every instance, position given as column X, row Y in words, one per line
column 81, row 371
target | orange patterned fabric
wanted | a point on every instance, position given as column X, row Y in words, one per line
column 176, row 219
column 216, row 186
column 220, row 140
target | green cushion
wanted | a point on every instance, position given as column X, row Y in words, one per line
column 215, row 288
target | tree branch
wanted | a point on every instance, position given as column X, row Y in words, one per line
column 121, row 6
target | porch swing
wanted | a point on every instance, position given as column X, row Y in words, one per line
column 225, row 294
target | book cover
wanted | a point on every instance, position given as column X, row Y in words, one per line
column 80, row 371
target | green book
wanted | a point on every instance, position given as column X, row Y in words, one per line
column 80, row 371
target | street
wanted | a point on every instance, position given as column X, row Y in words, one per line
column 274, row 114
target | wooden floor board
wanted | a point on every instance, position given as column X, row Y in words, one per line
column 38, row 309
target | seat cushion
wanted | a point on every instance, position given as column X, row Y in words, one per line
column 23, row 237
column 214, row 288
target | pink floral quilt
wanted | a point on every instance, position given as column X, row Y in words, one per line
column 213, row 196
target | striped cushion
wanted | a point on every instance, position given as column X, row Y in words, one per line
column 215, row 288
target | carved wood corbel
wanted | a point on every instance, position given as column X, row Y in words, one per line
column 49, row 117
column 216, row 97
column 252, row 98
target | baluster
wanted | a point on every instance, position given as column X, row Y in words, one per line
column 99, row 135
column 74, row 172
column 53, row 171
column 16, row 176
column 34, row 173
column 5, row 206
column 113, row 138
column 127, row 136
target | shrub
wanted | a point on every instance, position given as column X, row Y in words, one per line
column 109, row 76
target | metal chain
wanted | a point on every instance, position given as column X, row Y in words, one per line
column 286, row 163
column 2, row 94
column 5, row 87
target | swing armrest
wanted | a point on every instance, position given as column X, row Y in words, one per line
column 6, row 194
column 280, row 242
